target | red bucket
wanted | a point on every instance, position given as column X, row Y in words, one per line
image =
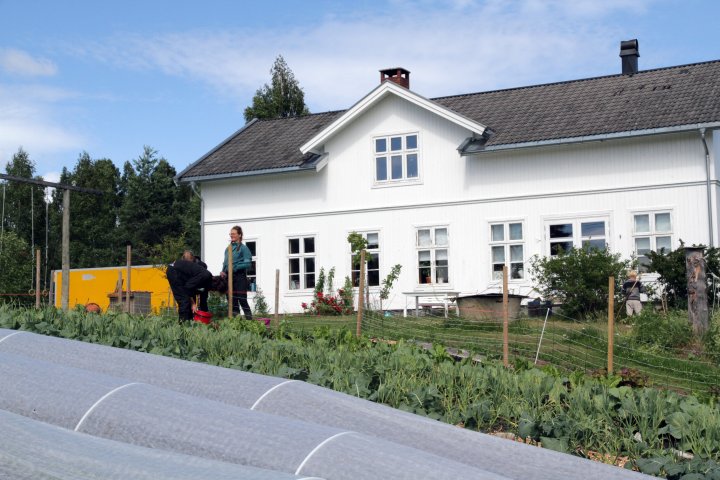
column 203, row 317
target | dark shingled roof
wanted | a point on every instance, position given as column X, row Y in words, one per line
column 650, row 99
column 262, row 145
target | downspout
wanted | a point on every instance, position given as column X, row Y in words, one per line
column 193, row 186
column 707, row 185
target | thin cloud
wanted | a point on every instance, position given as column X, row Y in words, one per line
column 18, row 62
column 27, row 119
column 455, row 46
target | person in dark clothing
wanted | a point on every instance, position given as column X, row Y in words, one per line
column 241, row 261
column 632, row 288
column 187, row 278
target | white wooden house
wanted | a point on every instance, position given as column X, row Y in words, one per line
column 454, row 188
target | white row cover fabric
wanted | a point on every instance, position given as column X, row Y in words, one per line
column 150, row 416
column 33, row 450
column 313, row 404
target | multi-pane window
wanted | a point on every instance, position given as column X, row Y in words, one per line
column 396, row 158
column 651, row 231
column 507, row 248
column 372, row 256
column 301, row 262
column 587, row 233
column 252, row 271
column 432, row 254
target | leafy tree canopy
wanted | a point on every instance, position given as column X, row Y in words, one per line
column 283, row 98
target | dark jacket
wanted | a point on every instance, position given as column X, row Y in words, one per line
column 192, row 275
column 633, row 289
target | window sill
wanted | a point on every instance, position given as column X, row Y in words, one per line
column 397, row 183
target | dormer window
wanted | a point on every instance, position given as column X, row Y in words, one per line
column 396, row 159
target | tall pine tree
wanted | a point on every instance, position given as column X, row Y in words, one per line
column 282, row 98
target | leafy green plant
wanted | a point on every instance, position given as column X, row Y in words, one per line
column 667, row 331
column 325, row 301
column 388, row 282
column 260, row 304
column 672, row 271
column 579, row 279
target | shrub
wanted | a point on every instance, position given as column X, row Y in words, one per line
column 668, row 331
column 324, row 301
column 672, row 271
column 579, row 279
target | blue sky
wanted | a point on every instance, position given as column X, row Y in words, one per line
column 108, row 77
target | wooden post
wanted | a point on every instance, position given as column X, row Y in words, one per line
column 361, row 290
column 230, row 280
column 127, row 274
column 65, row 287
column 697, row 289
column 506, row 348
column 277, row 298
column 611, row 324
column 37, row 278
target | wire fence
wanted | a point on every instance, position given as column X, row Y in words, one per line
column 551, row 339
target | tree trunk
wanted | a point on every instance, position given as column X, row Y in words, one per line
column 697, row 289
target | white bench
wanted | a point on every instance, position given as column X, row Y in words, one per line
column 444, row 299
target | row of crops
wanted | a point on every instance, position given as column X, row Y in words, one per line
column 658, row 432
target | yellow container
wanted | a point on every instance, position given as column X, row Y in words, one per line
column 100, row 285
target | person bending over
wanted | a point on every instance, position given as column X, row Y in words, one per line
column 188, row 277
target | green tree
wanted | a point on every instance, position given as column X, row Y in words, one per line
column 153, row 208
column 579, row 279
column 672, row 272
column 23, row 206
column 93, row 218
column 283, row 98
column 16, row 268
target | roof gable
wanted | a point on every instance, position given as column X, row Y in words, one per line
column 384, row 89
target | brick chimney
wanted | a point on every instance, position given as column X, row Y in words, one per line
column 397, row 75
column 629, row 53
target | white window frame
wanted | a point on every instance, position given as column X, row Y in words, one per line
column 301, row 283
column 652, row 234
column 506, row 244
column 403, row 153
column 577, row 239
column 433, row 249
column 375, row 252
column 253, row 278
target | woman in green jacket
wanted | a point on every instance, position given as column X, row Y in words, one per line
column 241, row 261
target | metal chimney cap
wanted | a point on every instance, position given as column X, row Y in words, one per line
column 629, row 47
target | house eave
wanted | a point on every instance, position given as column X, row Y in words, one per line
column 584, row 139
column 314, row 167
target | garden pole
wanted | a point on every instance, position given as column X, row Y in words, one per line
column 230, row 280
column 506, row 353
column 277, row 298
column 547, row 314
column 65, row 285
column 129, row 265
column 611, row 324
column 361, row 290
column 37, row 278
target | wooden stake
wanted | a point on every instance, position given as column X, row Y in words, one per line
column 277, row 298
column 129, row 268
column 65, row 287
column 506, row 321
column 37, row 278
column 611, row 324
column 230, row 280
column 361, row 290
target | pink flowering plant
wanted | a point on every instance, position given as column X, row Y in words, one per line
column 325, row 302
